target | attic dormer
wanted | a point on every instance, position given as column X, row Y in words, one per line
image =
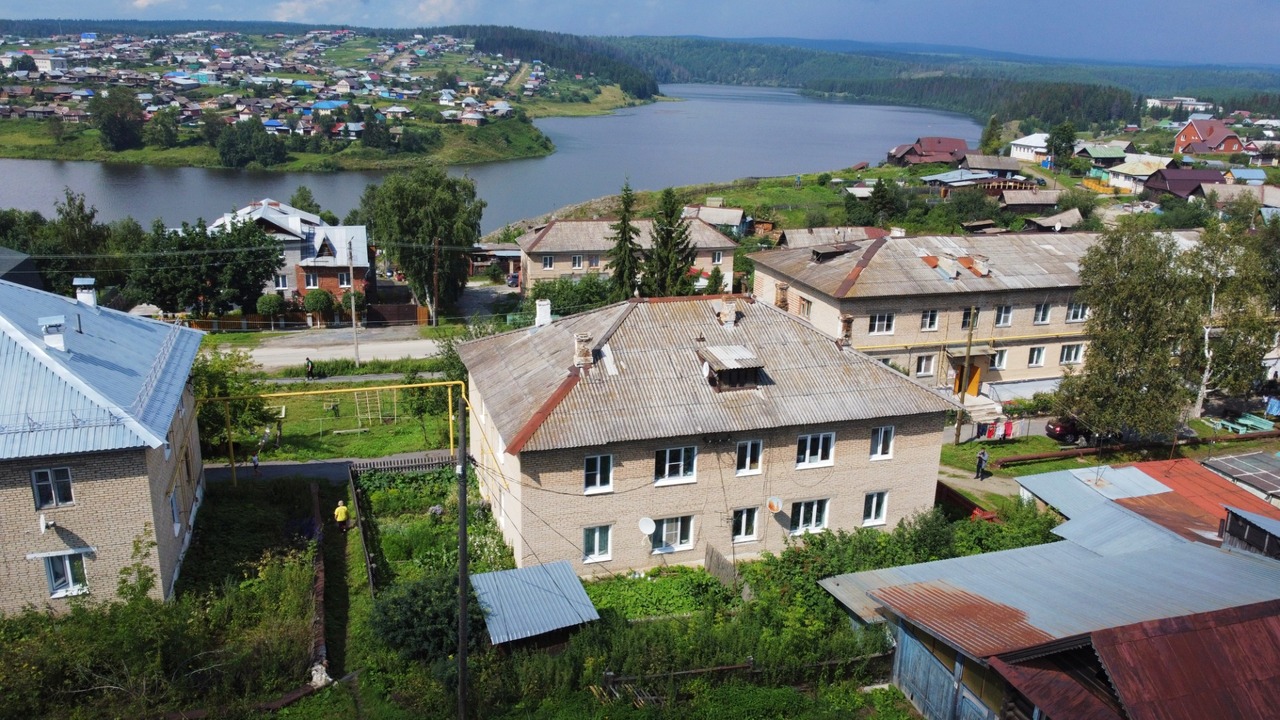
column 730, row 367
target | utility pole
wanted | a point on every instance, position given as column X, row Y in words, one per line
column 435, row 291
column 463, row 577
column 964, row 374
column 351, row 281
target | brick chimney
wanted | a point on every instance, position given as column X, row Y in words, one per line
column 543, row 315
column 582, row 356
column 729, row 312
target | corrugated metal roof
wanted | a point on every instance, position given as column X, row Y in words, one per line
column 1219, row 664
column 1206, row 489
column 1259, row 470
column 597, row 235
column 1110, row 529
column 1030, row 197
column 647, row 381
column 117, row 385
column 816, row 237
column 1064, row 492
column 531, row 601
column 1055, row 690
column 730, row 357
column 1269, row 524
column 1071, row 598
column 1174, row 512
column 1119, row 482
column 338, row 238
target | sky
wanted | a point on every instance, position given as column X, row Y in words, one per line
column 1185, row 31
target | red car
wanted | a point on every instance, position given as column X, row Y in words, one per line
column 1067, row 429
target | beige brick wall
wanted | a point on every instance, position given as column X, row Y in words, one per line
column 114, row 495
column 532, row 270
column 549, row 496
column 908, row 341
column 497, row 472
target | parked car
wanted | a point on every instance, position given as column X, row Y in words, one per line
column 1067, row 430
column 513, row 280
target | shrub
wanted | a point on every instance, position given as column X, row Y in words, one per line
column 420, row 619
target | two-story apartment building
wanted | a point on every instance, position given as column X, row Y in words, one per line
column 572, row 248
column 926, row 303
column 98, row 444
column 657, row 431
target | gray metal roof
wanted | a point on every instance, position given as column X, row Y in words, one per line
column 597, row 236
column 1271, row 525
column 647, row 381
column 1259, row 470
column 337, row 237
column 1063, row 492
column 117, row 385
column 531, row 601
column 819, row 236
column 1110, row 529
column 1119, row 482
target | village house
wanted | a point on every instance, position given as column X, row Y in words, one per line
column 929, row 150
column 98, row 446
column 676, row 430
column 1003, row 167
column 1181, row 182
column 1031, row 148
column 572, row 248
column 1206, row 136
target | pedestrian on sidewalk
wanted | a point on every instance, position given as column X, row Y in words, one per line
column 340, row 514
column 311, row 369
column 982, row 465
column 256, row 470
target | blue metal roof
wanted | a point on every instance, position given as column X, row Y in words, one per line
column 116, row 385
column 530, row 601
column 1110, row 529
column 1122, row 482
column 1064, row 492
column 1271, row 525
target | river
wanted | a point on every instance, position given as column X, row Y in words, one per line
column 713, row 134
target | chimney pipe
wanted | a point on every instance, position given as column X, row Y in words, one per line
column 543, row 316
column 85, row 293
column 729, row 312
column 51, row 329
column 582, row 356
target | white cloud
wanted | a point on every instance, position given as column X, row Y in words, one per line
column 431, row 12
column 144, row 4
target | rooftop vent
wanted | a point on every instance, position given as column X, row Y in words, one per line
column 730, row 367
column 543, row 314
column 51, row 329
column 582, row 354
column 85, row 293
column 728, row 313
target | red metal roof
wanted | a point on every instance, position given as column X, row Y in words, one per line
column 1222, row 664
column 1056, row 691
column 1174, row 512
column 1205, row 488
column 977, row 626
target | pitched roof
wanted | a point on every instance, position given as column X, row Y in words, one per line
column 116, row 385
column 597, row 236
column 1182, row 182
column 1136, row 168
column 337, row 238
column 286, row 217
column 813, row 237
column 1030, row 197
column 531, row 601
column 991, row 162
column 1061, row 221
column 648, row 380
column 1034, row 140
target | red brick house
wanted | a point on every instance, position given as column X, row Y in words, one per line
column 329, row 259
column 1207, row 136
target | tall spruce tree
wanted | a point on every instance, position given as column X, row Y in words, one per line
column 625, row 257
column 991, row 137
column 667, row 267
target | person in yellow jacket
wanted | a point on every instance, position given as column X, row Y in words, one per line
column 340, row 514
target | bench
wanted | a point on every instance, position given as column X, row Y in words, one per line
column 1256, row 422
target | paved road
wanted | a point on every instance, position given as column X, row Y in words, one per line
column 331, row 344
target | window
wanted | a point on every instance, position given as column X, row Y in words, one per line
column 576, row 262
column 970, row 315
column 929, row 320
column 52, row 487
column 1077, row 312
column 744, row 525
column 998, row 358
column 1042, row 314
column 717, row 257
column 804, row 306
column 1035, row 357
column 175, row 512
column 674, row 465
column 312, row 280
column 282, row 282
column 873, row 508
column 66, row 575
column 593, row 261
column 671, row 534
column 882, row 442
column 808, row 516
column 749, row 457
column 548, row 262
column 1070, row 354
column 595, row 543
column 881, row 324
column 924, row 366
column 344, row 279
column 1004, row 315
column 597, row 474
column 814, row 450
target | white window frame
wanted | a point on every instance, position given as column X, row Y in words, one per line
column 1077, row 312
column 49, row 479
column 811, row 447
column 1004, row 315
column 575, row 262
column 175, row 512
column 880, row 323
column 809, row 516
column 804, row 307
column 66, row 587
column 687, row 459
column 754, row 451
column 998, row 359
column 344, row 279
column 1044, row 312
column 1071, row 354
column 312, row 280
column 874, row 505
column 928, row 320
column 282, row 281
column 882, row 442
column 597, row 474
column 717, row 257
column 679, row 529
column 924, row 366
column 1035, row 356
column 745, row 519
column 591, row 552
column 548, row 262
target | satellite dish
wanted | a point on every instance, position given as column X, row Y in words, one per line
column 647, row 525
column 774, row 504
column 1057, row 227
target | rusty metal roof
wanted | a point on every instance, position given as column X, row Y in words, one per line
column 1219, row 664
column 1058, row 690
column 987, row 627
column 647, row 381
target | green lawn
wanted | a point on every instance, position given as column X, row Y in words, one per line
column 237, row 340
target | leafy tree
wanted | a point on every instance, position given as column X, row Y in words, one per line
column 888, row 202
column 345, row 303
column 330, row 218
column 271, row 305
column 320, row 302
column 376, row 135
column 417, row 404
column 992, row 137
column 73, row 244
column 162, row 129
column 24, row 62
column 667, row 266
column 569, row 295
column 56, row 128
column 1177, row 213
column 211, row 127
column 230, row 374
column 970, row 204
column 1062, row 142
column 1079, row 199
column 426, row 222
column 118, row 116
column 1143, row 360
column 248, row 141
column 625, row 257
column 304, row 200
